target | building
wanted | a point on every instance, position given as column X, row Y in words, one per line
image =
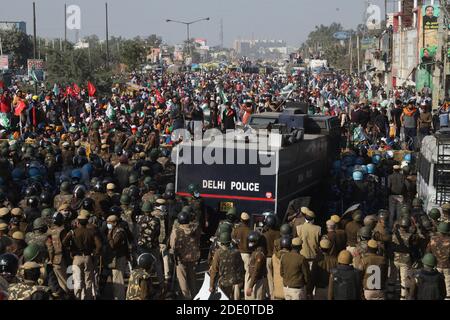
column 407, row 48
column 265, row 49
column 13, row 25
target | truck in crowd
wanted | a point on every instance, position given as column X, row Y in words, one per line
column 258, row 170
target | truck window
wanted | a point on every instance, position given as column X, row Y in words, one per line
column 424, row 168
column 259, row 121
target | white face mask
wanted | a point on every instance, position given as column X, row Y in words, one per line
column 109, row 226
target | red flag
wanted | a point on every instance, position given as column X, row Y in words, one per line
column 69, row 91
column 76, row 89
column 159, row 97
column 91, row 89
column 2, row 84
column 20, row 107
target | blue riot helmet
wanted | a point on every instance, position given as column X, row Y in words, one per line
column 17, row 174
column 407, row 158
column 349, row 171
column 376, row 158
column 371, row 168
column 34, row 173
column 359, row 161
column 364, row 169
column 88, row 168
column 76, row 174
column 358, row 176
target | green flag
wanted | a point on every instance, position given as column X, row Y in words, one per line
column 4, row 121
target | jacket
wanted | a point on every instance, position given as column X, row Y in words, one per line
column 294, row 270
column 239, row 235
column 310, row 235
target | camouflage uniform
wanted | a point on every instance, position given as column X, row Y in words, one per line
column 359, row 253
column 139, row 285
column 439, row 246
column 148, row 240
column 36, row 237
column 227, row 268
column 25, row 290
column 185, row 241
column 402, row 242
column 60, row 199
column 163, row 238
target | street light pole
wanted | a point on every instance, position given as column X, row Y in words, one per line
column 188, row 24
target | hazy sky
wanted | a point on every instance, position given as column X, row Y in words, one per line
column 290, row 20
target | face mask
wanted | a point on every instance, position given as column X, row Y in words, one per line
column 109, row 226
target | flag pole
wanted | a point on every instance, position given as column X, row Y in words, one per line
column 68, row 107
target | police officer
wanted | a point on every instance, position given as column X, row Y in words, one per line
column 396, row 186
column 270, row 235
column 185, row 243
column 118, row 249
column 320, row 270
column 352, row 229
column 439, row 246
column 435, row 216
column 38, row 236
column 345, row 281
column 29, row 288
column 140, row 282
column 230, row 219
column 160, row 213
column 298, row 220
column 402, row 241
column 227, row 268
column 148, row 239
column 257, row 281
column 294, row 270
column 337, row 244
column 56, row 252
column 17, row 222
column 114, row 197
column 446, row 212
column 84, row 243
column 9, row 264
column 428, row 283
column 365, row 234
column 310, row 234
column 101, row 200
column 240, row 236
column 374, row 270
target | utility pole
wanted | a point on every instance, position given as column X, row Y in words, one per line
column 34, row 41
column 65, row 26
column 107, row 35
column 351, row 54
column 221, row 33
column 1, row 45
column 357, row 51
column 440, row 61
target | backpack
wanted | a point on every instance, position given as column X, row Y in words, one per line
column 344, row 284
column 231, row 267
column 186, row 246
column 428, row 286
column 134, row 284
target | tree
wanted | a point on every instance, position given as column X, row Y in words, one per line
column 133, row 53
column 17, row 44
